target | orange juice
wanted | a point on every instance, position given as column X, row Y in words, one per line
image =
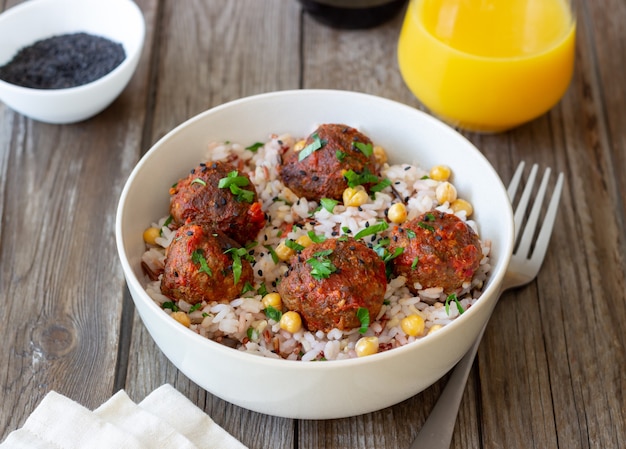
column 487, row 65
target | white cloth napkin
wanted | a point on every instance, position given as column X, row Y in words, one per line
column 164, row 419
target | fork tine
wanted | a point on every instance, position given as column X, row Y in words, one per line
column 533, row 218
column 514, row 184
column 520, row 210
column 548, row 223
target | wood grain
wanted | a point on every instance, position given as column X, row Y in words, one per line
column 550, row 370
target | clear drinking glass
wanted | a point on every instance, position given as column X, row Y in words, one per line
column 488, row 65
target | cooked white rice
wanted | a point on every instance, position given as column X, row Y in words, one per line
column 242, row 323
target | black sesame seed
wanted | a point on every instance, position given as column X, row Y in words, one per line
column 302, row 172
column 189, row 232
column 407, row 168
column 202, row 164
column 260, row 272
column 438, row 237
column 367, row 224
column 193, row 170
column 315, row 178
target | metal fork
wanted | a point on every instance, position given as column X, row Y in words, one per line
column 436, row 433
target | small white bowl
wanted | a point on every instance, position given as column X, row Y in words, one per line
column 313, row 390
column 120, row 21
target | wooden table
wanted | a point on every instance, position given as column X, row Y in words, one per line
column 551, row 371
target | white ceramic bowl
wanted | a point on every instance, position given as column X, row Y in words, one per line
column 118, row 20
column 310, row 390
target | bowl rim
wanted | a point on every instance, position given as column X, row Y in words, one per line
column 494, row 281
column 129, row 59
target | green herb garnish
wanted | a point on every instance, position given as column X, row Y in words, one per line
column 262, row 290
column 373, row 229
column 459, row 307
column 356, row 179
column 234, row 183
column 366, row 148
column 237, row 254
column 382, row 185
column 426, row 226
column 292, row 244
column 322, row 266
column 414, row 263
column 170, row 305
column 255, row 146
column 328, row 204
column 253, row 334
column 273, row 313
column 198, row 258
column 199, row 181
column 411, row 233
column 316, row 238
column 340, row 155
column 312, row 147
column 195, row 307
column 273, row 254
column 364, row 318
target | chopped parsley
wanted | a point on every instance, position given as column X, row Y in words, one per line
column 273, row 314
column 356, row 179
column 292, row 244
column 321, row 266
column 424, row 225
column 198, row 258
column 234, row 182
column 459, row 307
column 262, row 290
column 195, row 307
column 312, row 147
column 199, row 181
column 411, row 233
column 255, row 146
column 370, row 230
column 237, row 254
column 253, row 334
column 316, row 238
column 340, row 155
column 273, row 254
column 382, row 185
column 414, row 263
column 364, row 318
column 366, row 148
column 170, row 305
column 328, row 204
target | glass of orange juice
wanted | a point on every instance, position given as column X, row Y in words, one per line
column 488, row 65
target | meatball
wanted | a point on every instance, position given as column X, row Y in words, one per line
column 231, row 207
column 439, row 250
column 328, row 282
column 321, row 173
column 202, row 264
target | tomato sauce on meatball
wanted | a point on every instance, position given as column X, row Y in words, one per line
column 331, row 150
column 200, row 266
column 439, row 250
column 328, row 282
column 233, row 209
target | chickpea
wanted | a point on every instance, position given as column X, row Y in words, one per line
column 440, row 173
column 445, row 192
column 182, row 318
column 460, row 205
column 283, row 252
column 412, row 325
column 366, row 346
column 355, row 197
column 274, row 300
column 304, row 240
column 299, row 146
column 397, row 213
column 291, row 321
column 434, row 328
column 380, row 155
column 150, row 235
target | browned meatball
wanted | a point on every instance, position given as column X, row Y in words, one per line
column 440, row 250
column 328, row 282
column 321, row 173
column 233, row 209
column 200, row 265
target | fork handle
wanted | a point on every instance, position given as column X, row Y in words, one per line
column 436, row 433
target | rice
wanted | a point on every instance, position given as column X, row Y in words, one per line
column 243, row 323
